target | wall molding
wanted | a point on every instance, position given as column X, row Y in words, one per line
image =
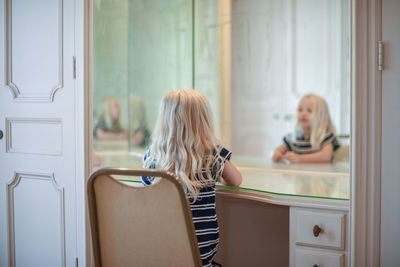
column 57, row 151
column 11, row 185
column 17, row 93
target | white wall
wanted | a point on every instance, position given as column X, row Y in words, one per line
column 390, row 211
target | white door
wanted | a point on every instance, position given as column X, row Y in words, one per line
column 38, row 219
column 390, row 211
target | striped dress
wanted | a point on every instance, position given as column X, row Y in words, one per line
column 204, row 214
column 302, row 145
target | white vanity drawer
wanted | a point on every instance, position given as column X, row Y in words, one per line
column 310, row 258
column 322, row 229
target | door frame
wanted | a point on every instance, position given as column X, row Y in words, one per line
column 82, row 121
column 365, row 158
column 366, row 128
column 86, row 79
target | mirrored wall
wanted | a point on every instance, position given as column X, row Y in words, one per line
column 253, row 59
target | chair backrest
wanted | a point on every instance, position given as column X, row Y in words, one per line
column 140, row 226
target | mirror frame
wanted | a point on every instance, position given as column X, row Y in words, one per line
column 366, row 115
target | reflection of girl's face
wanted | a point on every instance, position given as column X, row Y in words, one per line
column 304, row 114
column 115, row 111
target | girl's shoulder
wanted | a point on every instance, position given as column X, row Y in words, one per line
column 148, row 180
column 148, row 157
column 147, row 154
column 330, row 137
column 225, row 153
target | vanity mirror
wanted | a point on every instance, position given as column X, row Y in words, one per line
column 254, row 60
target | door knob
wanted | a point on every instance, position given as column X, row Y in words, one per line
column 1, row 134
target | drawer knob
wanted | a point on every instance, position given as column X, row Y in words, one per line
column 316, row 231
column 315, row 265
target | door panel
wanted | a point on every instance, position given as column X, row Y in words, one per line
column 31, row 198
column 26, row 48
column 37, row 153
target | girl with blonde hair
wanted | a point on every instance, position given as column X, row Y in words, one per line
column 109, row 122
column 184, row 142
column 314, row 140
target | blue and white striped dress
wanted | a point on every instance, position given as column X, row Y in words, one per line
column 204, row 215
column 303, row 145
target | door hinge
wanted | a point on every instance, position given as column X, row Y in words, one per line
column 380, row 55
column 74, row 66
column 76, row 262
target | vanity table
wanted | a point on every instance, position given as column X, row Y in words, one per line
column 285, row 217
column 281, row 215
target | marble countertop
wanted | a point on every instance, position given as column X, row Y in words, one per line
column 328, row 181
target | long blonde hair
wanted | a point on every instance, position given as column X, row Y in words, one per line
column 107, row 104
column 321, row 123
column 184, row 140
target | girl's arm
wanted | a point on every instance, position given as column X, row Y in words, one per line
column 322, row 156
column 231, row 175
column 279, row 152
